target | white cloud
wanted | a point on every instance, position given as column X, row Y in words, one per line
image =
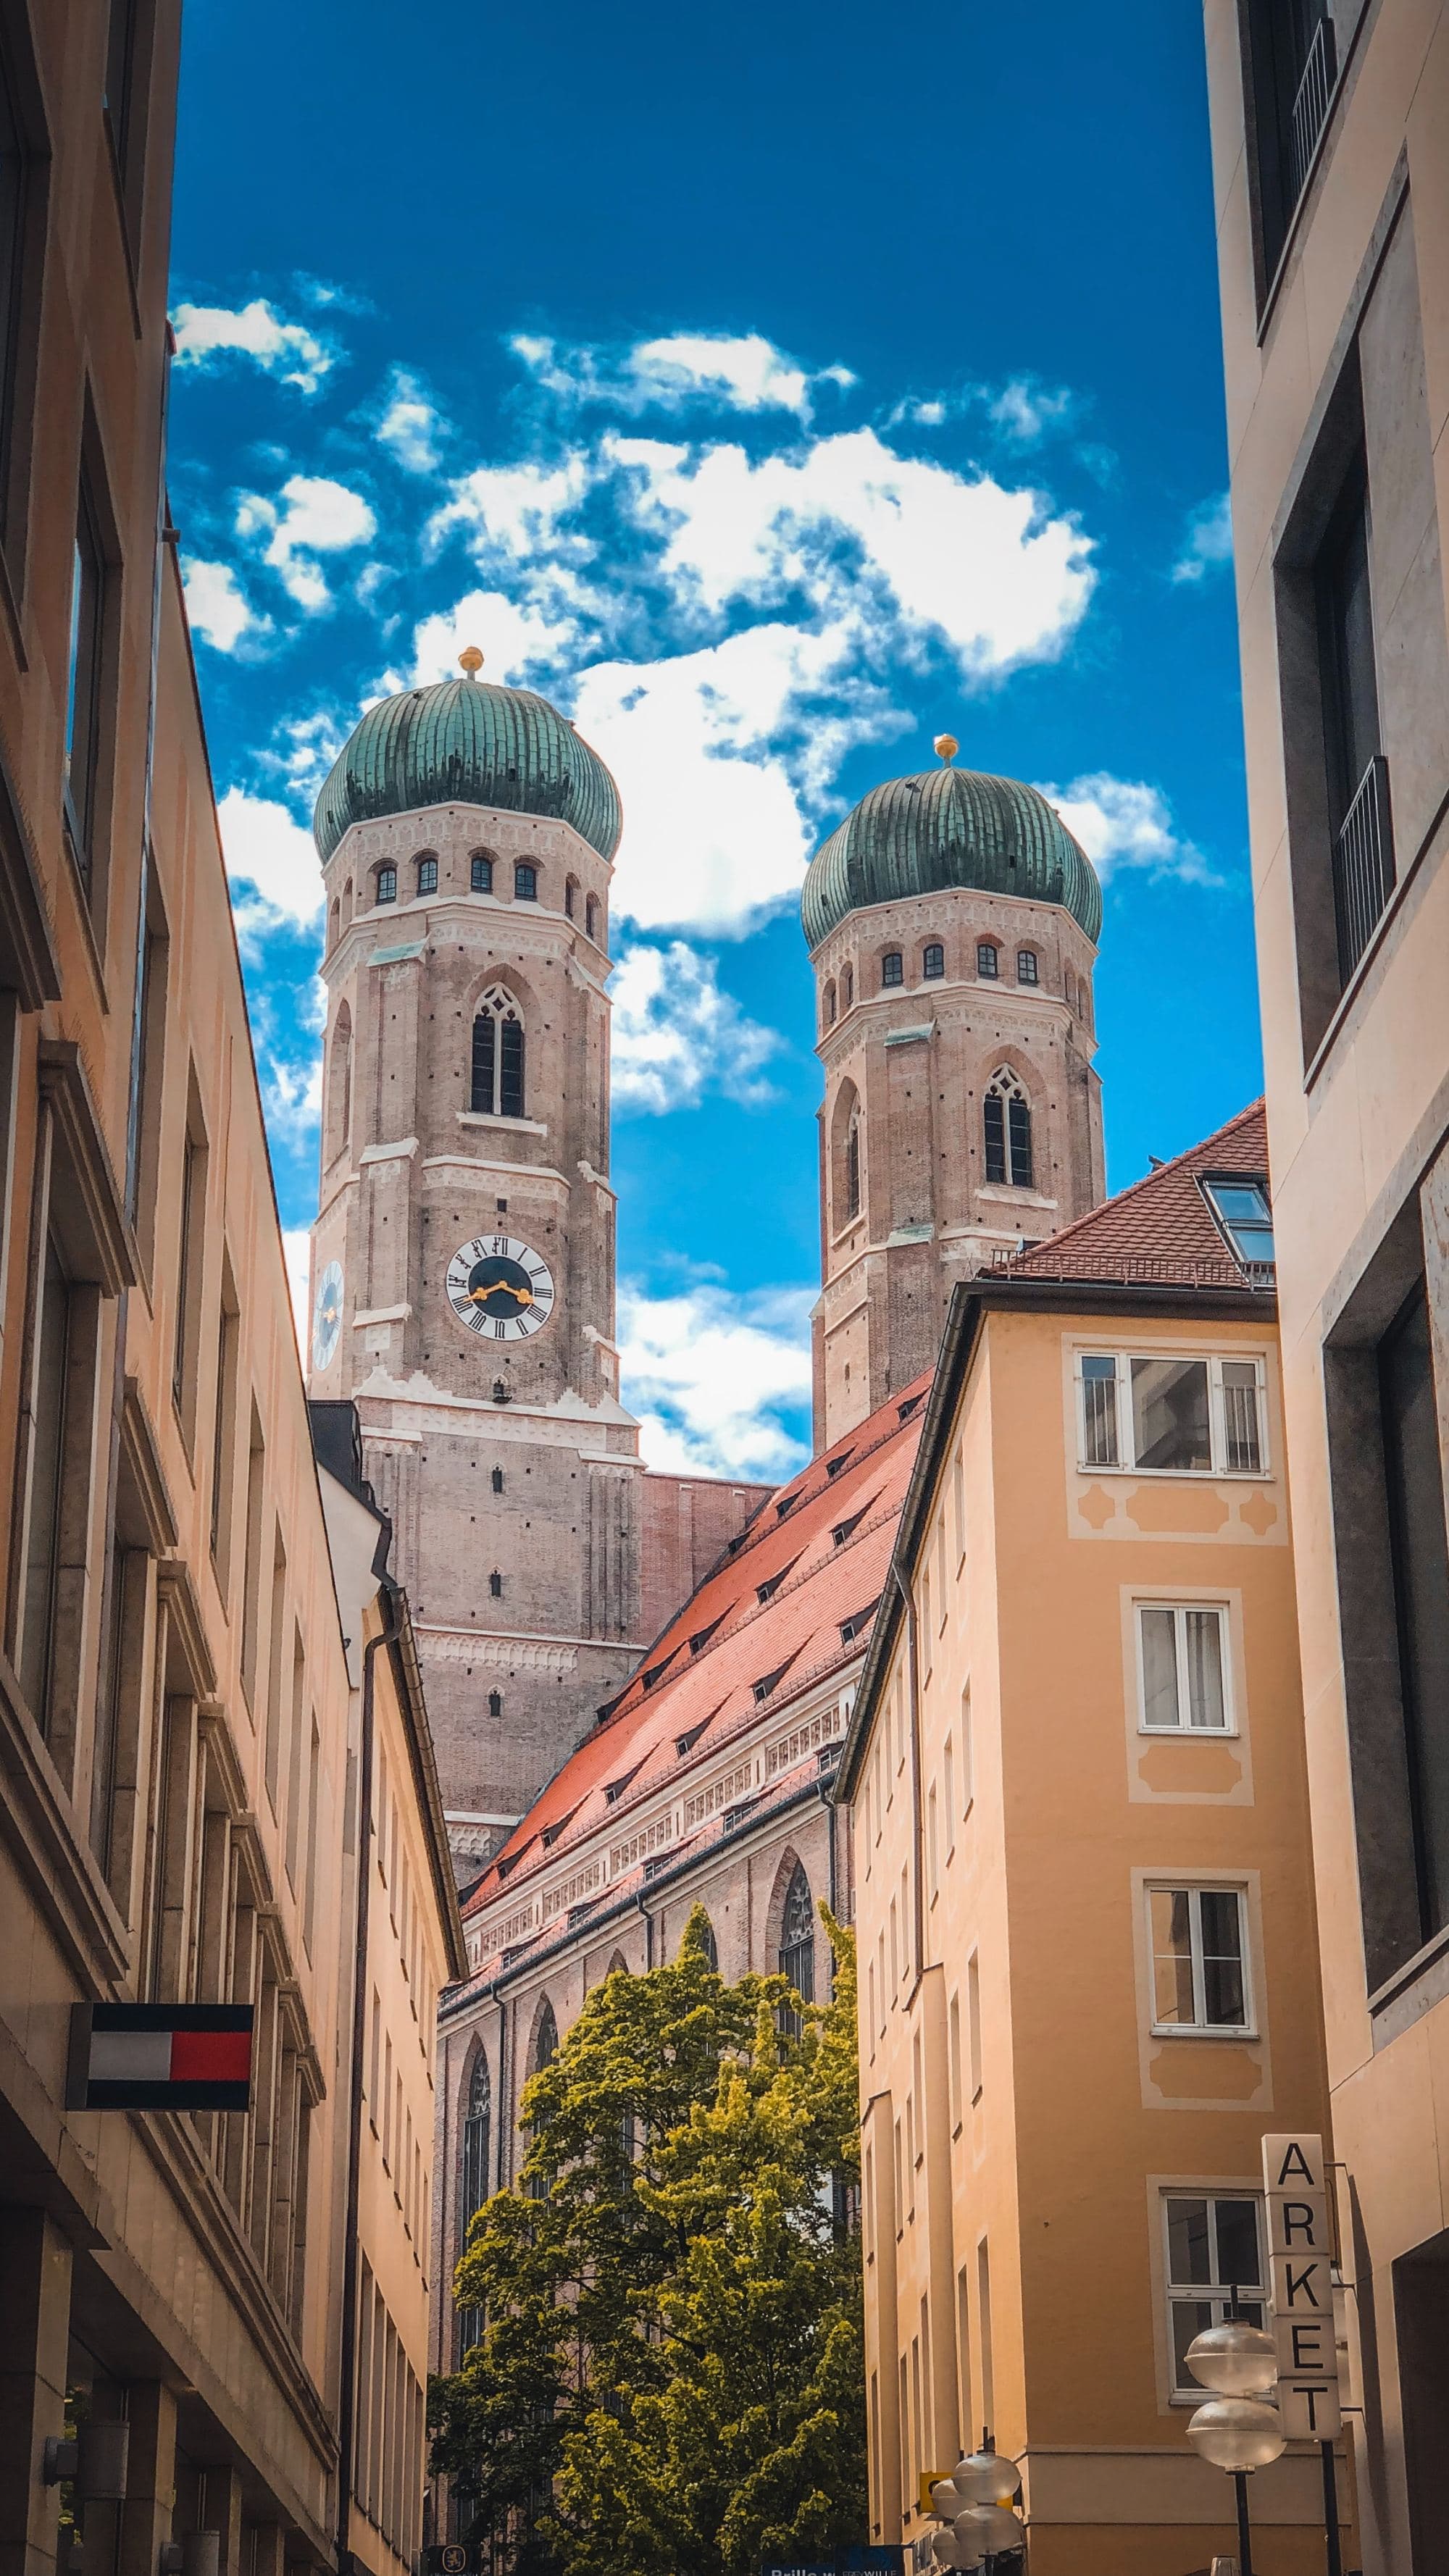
column 986, row 569
column 511, row 636
column 292, row 1099
column 710, row 1372
column 297, row 1251
column 217, row 606
column 1124, row 823
column 321, row 517
column 736, row 372
column 268, row 850
column 1026, row 410
column 411, row 426
column 1207, row 540
column 206, row 333
column 511, row 513
column 677, row 1036
column 714, row 831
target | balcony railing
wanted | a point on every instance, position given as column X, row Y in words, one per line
column 1310, row 107
column 1363, row 864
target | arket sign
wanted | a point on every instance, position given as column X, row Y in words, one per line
column 1300, row 2256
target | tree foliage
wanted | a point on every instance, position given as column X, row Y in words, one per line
column 670, row 2377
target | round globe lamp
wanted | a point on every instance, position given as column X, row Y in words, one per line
column 1239, row 2434
column 986, row 2476
column 993, row 2528
column 947, row 2499
column 1236, row 2360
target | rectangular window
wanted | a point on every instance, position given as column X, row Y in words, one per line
column 252, row 1567
column 427, row 876
column 85, row 676
column 525, row 883
column 954, row 2027
column 510, row 1069
column 295, row 1749
column 900, row 2180
column 1182, row 1666
column 43, row 1502
column 1170, row 1416
column 22, row 227
column 1419, row 1557
column 1199, row 1959
column 948, row 1793
column 1363, row 851
column 1293, row 60
column 148, row 1047
column 1244, row 1211
column 128, row 65
column 223, row 1428
column 276, row 1640
column 933, row 1843
column 892, row 967
column 1026, row 966
column 1214, row 2248
column 973, row 2022
column 983, row 2327
column 968, row 1755
column 190, row 1265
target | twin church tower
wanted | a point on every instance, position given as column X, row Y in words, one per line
column 463, row 1255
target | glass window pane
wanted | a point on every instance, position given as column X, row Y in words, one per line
column 1099, row 1412
column 1170, row 1414
column 1159, row 1668
column 36, row 1636
column 1171, row 1956
column 994, row 1120
column 1203, row 1642
column 1190, row 2317
column 1222, row 1956
column 1189, row 2244
column 1238, row 2258
column 1243, row 1448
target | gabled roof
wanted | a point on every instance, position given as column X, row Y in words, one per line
column 1162, row 1229
column 751, row 1653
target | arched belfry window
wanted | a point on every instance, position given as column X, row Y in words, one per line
column 827, row 1006
column 497, row 1087
column 1006, row 1117
column 387, row 885
column 427, row 872
column 797, row 1940
column 480, row 873
column 591, row 917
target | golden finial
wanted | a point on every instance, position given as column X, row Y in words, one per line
column 470, row 660
column 946, row 747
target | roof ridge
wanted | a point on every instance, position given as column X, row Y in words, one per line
column 1146, row 1180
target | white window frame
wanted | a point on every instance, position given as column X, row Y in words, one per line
column 1214, row 2294
column 1125, row 1465
column 1221, row 1611
column 1200, row 2027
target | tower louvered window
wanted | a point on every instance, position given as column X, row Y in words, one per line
column 1006, row 1120
column 498, row 1057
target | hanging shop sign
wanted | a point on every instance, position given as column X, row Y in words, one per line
column 1300, row 2274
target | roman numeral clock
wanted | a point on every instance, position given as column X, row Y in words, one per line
column 500, row 1288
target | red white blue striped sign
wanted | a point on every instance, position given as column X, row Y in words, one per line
column 160, row 2057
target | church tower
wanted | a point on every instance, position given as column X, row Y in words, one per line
column 463, row 1253
column 952, row 922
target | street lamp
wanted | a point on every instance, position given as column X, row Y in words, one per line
column 975, row 2502
column 1237, row 2430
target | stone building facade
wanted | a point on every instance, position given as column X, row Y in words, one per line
column 466, row 1138
column 952, row 923
column 1330, row 130
column 178, row 1723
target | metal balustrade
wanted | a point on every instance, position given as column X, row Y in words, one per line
column 1363, row 864
column 1310, row 107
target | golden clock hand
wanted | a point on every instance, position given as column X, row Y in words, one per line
column 480, row 1296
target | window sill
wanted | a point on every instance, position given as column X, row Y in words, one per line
column 1185, row 1475
column 976, row 2097
column 959, row 2130
column 1207, row 2030
column 512, row 1126
column 1192, row 1734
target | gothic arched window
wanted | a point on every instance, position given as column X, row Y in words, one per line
column 495, row 1703
column 495, row 1585
column 473, row 2182
column 387, row 885
column 427, row 873
column 797, row 1941
column 545, row 2040
column 480, row 873
column 711, row 1946
column 1006, row 1117
column 497, row 1086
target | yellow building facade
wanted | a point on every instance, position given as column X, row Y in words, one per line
column 1084, row 1896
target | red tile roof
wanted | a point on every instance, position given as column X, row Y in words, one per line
column 1162, row 1230
column 751, row 1653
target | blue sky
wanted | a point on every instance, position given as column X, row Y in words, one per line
column 774, row 388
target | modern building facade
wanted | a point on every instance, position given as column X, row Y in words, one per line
column 463, row 1254
column 704, row 1784
column 1084, row 1895
column 1331, row 168
column 178, row 1820
column 952, row 923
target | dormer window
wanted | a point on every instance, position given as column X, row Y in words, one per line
column 702, row 1636
column 904, row 1411
column 834, row 1465
column 851, row 1628
column 767, row 1682
column 845, row 1529
column 387, row 885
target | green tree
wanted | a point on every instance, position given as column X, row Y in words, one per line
column 670, row 2377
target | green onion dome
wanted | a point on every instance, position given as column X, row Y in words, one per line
column 949, row 827
column 468, row 742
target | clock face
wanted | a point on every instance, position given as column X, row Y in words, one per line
column 500, row 1288
column 327, row 1315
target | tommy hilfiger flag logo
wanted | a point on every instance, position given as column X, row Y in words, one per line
column 160, row 2057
